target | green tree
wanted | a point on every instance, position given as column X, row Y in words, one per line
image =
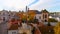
column 52, row 20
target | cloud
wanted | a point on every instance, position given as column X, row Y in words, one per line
column 14, row 4
column 47, row 4
column 41, row 4
column 32, row 4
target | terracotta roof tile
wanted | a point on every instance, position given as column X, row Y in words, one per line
column 13, row 27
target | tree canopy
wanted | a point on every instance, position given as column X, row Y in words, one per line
column 52, row 20
column 57, row 28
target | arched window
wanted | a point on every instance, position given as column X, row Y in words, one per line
column 45, row 16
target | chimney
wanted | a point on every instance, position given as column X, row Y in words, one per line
column 26, row 8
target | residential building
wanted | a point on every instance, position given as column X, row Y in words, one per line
column 13, row 29
column 25, row 29
column 6, row 15
column 42, row 16
column 3, row 15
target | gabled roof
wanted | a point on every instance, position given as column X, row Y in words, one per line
column 44, row 11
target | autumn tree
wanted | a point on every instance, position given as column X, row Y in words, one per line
column 57, row 28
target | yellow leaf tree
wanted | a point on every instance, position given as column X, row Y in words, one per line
column 57, row 28
column 31, row 14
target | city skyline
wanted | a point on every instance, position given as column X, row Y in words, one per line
column 50, row 5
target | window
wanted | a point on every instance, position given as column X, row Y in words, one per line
column 3, row 18
column 45, row 16
column 40, row 17
column 14, row 33
column 0, row 13
column 9, row 15
column 3, row 13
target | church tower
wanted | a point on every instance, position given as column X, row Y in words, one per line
column 27, row 9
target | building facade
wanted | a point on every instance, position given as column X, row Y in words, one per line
column 42, row 16
column 6, row 15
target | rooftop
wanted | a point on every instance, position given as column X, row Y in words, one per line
column 13, row 27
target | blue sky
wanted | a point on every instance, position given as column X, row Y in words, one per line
column 50, row 5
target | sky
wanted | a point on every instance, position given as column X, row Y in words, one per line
column 50, row 5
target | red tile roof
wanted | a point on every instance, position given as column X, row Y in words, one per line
column 13, row 27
